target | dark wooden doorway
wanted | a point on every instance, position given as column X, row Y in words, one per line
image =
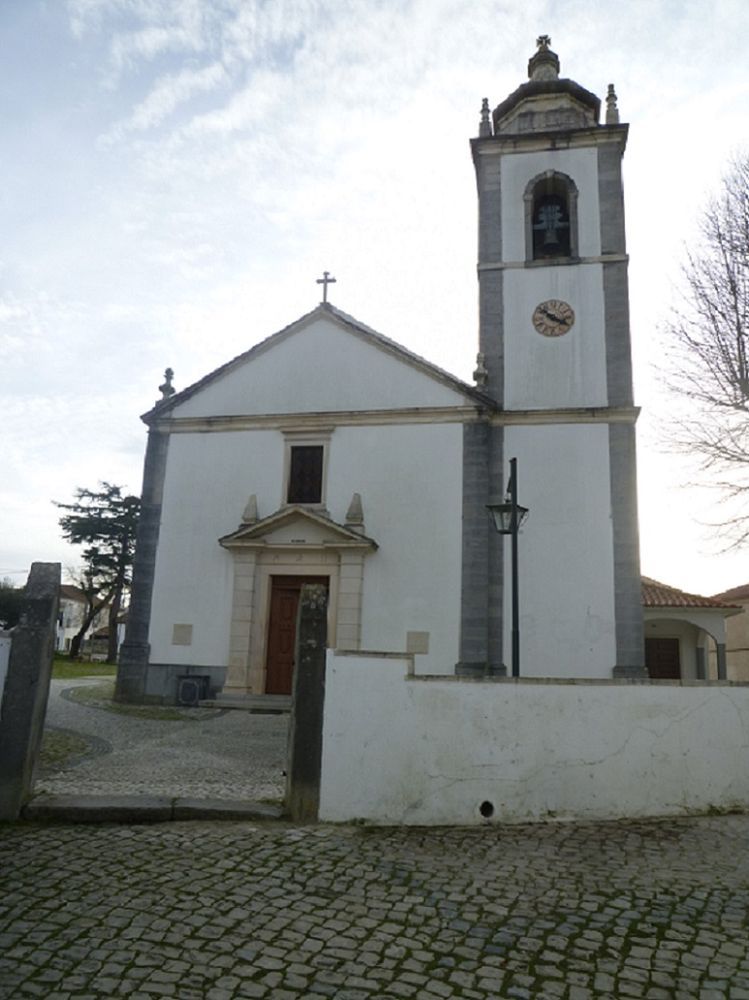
column 662, row 658
column 284, row 603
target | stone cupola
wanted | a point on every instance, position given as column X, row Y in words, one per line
column 546, row 103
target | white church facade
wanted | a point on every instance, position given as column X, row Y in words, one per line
column 328, row 453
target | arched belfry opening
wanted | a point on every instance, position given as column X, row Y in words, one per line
column 551, row 217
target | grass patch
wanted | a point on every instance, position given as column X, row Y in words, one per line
column 64, row 668
column 59, row 747
column 102, row 696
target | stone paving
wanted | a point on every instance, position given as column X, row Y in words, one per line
column 234, row 910
column 207, row 753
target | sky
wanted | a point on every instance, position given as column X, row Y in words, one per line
column 177, row 173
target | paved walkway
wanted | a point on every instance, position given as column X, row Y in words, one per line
column 210, row 754
column 220, row 911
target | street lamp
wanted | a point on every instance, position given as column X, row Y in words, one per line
column 508, row 517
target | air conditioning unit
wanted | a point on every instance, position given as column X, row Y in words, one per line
column 191, row 690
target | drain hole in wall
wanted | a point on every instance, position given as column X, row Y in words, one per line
column 486, row 809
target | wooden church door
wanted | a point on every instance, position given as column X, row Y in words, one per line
column 662, row 658
column 284, row 603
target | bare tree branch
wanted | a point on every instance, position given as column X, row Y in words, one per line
column 709, row 351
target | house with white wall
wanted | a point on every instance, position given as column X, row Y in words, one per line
column 70, row 617
column 72, row 609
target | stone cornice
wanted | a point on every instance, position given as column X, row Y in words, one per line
column 571, row 415
column 609, row 258
column 328, row 421
column 332, row 545
column 528, row 142
column 322, row 422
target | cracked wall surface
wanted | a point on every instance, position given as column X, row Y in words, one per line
column 450, row 750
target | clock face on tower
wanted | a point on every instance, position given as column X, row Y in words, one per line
column 553, row 317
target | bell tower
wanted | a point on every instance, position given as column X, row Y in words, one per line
column 554, row 354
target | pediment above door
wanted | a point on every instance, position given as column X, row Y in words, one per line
column 296, row 526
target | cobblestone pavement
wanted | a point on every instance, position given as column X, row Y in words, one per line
column 211, row 754
column 218, row 911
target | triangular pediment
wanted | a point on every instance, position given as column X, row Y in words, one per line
column 325, row 361
column 296, row 527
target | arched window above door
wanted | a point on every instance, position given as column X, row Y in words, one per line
column 551, row 218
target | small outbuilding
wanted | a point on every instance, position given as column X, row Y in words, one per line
column 685, row 634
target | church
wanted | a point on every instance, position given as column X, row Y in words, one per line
column 328, row 453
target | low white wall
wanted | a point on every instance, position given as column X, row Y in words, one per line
column 398, row 749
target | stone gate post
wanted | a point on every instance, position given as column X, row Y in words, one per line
column 305, row 730
column 24, row 696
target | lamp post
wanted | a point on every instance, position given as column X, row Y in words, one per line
column 508, row 517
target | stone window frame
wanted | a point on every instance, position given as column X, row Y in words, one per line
column 572, row 198
column 295, row 438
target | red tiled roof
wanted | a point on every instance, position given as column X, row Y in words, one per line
column 660, row 595
column 735, row 594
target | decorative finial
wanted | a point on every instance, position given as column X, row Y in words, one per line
column 325, row 281
column 543, row 64
column 485, row 127
column 355, row 514
column 167, row 389
column 612, row 111
column 481, row 374
column 249, row 516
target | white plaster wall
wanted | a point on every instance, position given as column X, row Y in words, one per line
column 547, row 372
column 431, row 751
column 320, row 367
column 565, row 551
column 554, row 372
column 209, row 478
column 737, row 646
column 519, row 169
column 410, row 481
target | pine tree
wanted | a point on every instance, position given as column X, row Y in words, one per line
column 105, row 522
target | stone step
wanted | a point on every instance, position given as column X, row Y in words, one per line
column 144, row 809
column 260, row 704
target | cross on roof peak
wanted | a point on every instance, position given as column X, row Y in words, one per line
column 325, row 281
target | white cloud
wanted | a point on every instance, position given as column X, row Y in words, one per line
column 167, row 94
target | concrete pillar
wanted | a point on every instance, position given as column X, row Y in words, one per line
column 26, row 689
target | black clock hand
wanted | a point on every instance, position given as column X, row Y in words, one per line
column 552, row 316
